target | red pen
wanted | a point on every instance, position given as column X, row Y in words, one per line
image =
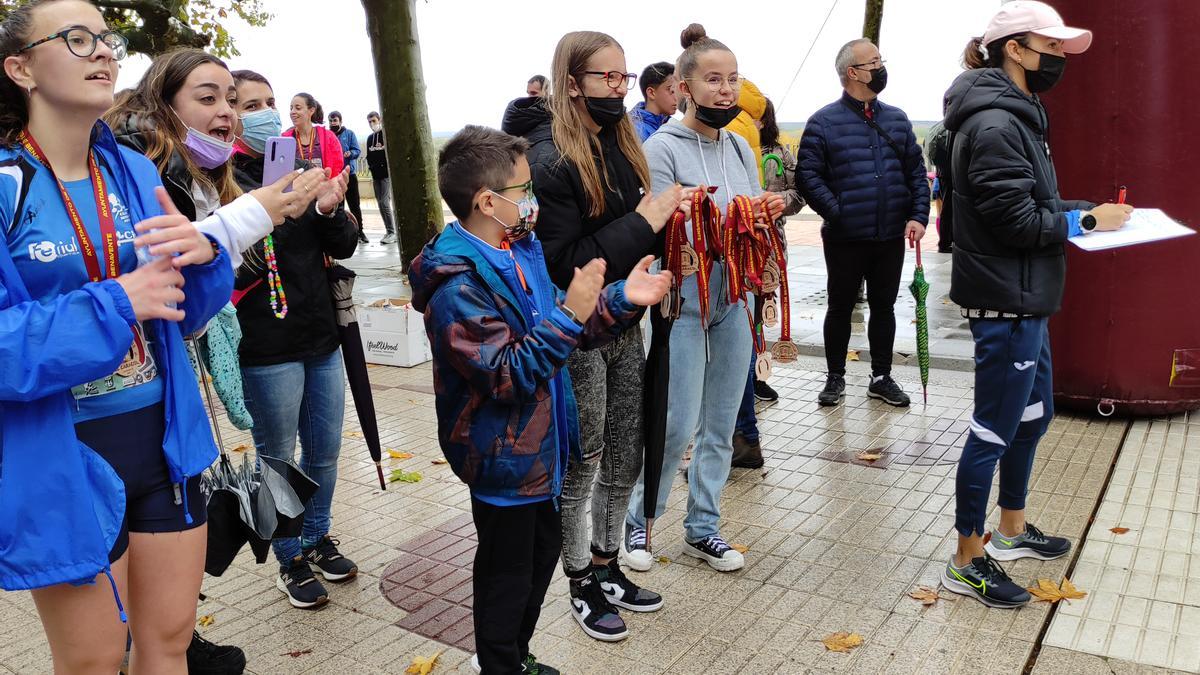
column 1121, row 195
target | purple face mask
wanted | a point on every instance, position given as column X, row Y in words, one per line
column 207, row 152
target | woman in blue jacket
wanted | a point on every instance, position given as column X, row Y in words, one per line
column 102, row 429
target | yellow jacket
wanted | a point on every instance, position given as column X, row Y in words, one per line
column 753, row 105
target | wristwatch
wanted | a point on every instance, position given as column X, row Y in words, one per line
column 571, row 314
column 1087, row 223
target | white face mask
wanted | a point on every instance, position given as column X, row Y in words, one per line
column 376, row 127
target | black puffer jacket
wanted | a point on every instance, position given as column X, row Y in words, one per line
column 570, row 237
column 175, row 176
column 1010, row 225
column 310, row 327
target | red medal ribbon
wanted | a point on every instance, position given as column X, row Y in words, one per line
column 108, row 229
column 747, row 250
column 705, row 219
column 780, row 253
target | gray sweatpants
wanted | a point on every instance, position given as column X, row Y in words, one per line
column 608, row 391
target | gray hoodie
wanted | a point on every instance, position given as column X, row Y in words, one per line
column 677, row 154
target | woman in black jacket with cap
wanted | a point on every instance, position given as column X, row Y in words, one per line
column 1010, row 229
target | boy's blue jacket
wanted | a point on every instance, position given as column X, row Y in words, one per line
column 61, row 504
column 350, row 144
column 645, row 122
column 505, row 408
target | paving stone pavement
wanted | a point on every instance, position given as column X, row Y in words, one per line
column 834, row 544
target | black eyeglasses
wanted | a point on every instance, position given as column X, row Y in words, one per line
column 615, row 78
column 82, row 42
column 875, row 64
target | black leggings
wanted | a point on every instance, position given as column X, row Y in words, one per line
column 847, row 264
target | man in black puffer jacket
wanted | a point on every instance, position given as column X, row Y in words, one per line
column 861, row 169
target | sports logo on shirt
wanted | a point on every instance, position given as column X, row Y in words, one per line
column 49, row 251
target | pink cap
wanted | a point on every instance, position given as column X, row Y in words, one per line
column 1031, row 16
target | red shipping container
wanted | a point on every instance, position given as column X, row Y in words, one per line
column 1125, row 113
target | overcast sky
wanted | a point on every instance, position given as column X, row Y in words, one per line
column 477, row 54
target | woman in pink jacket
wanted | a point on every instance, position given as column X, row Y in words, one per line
column 314, row 144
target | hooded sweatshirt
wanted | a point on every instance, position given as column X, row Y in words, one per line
column 753, row 105
column 677, row 154
column 1009, row 222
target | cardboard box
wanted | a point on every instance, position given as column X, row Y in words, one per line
column 393, row 333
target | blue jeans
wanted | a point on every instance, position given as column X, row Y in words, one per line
column 703, row 401
column 308, row 397
column 1014, row 403
column 747, row 419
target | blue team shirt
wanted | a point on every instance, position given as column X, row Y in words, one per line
column 47, row 255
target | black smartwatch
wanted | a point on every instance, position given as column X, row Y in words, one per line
column 1087, row 223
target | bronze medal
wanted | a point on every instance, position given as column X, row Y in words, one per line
column 762, row 366
column 129, row 367
column 770, row 277
column 770, row 312
column 785, row 351
column 689, row 262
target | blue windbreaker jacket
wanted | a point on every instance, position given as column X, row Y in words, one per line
column 61, row 504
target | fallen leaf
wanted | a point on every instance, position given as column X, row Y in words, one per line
column 842, row 641
column 663, row 559
column 353, row 434
column 439, row 461
column 297, row 653
column 397, row 454
column 852, row 355
column 241, row 448
column 1047, row 591
column 399, row 475
column 422, row 665
column 740, row 548
column 926, row 595
column 870, row 455
column 1119, row 530
column 206, row 620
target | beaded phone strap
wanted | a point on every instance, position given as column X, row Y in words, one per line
column 279, row 304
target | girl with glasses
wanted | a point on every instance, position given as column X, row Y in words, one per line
column 103, row 431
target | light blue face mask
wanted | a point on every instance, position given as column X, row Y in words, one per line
column 258, row 126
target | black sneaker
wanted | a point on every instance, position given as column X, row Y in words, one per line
column 1030, row 544
column 622, row 592
column 333, row 565
column 834, row 391
column 885, row 389
column 716, row 552
column 595, row 614
column 301, row 586
column 633, row 549
column 205, row 658
column 362, row 238
column 532, row 667
column 764, row 392
column 985, row 581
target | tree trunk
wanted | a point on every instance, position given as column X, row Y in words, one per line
column 392, row 25
column 873, row 20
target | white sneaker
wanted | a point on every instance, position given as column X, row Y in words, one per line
column 716, row 552
column 389, row 238
column 633, row 549
column 475, row 664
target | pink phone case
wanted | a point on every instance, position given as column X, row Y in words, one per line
column 279, row 159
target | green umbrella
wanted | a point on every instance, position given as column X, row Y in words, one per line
column 920, row 291
column 772, row 157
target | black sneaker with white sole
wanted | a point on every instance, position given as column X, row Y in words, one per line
column 987, row 582
column 834, row 391
column 206, row 658
column 300, row 585
column 764, row 391
column 595, row 614
column 1032, row 543
column 716, row 552
column 529, row 666
column 622, row 592
column 633, row 549
column 332, row 564
column 885, row 389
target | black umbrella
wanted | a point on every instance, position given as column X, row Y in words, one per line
column 341, row 282
column 250, row 504
column 654, row 406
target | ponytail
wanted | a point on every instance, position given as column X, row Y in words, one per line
column 318, row 116
column 975, row 56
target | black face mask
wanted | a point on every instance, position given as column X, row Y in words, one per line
column 1049, row 72
column 878, row 80
column 335, row 128
column 605, row 111
column 717, row 118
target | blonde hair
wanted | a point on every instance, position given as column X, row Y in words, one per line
column 571, row 137
column 149, row 105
